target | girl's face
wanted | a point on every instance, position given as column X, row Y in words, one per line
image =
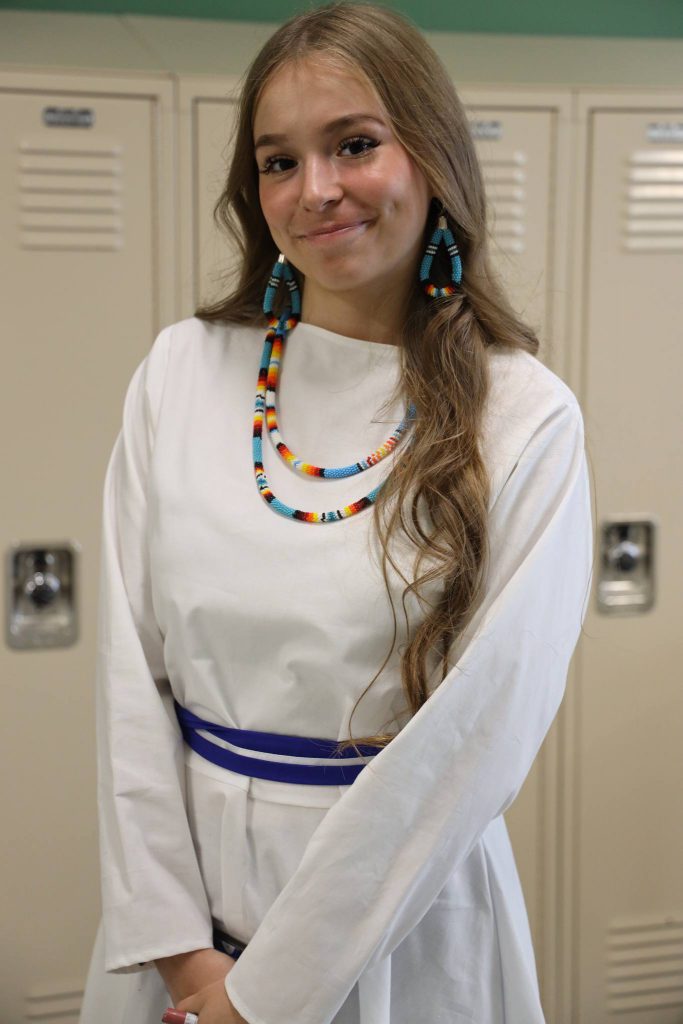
column 343, row 199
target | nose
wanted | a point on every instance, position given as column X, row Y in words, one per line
column 320, row 183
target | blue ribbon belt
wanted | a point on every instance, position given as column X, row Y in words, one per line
column 226, row 749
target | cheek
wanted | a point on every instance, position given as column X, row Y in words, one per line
column 266, row 210
column 272, row 206
column 403, row 187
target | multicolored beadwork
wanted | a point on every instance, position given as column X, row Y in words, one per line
column 265, row 408
column 308, row 468
column 442, row 233
column 269, row 370
column 282, row 272
column 278, row 328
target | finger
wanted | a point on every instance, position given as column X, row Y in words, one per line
column 192, row 1004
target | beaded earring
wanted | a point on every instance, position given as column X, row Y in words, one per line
column 282, row 271
column 265, row 411
column 442, row 233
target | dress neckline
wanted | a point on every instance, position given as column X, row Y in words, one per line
column 305, row 331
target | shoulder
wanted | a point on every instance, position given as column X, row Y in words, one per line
column 193, row 337
column 190, row 349
column 526, row 400
column 183, row 353
column 523, row 390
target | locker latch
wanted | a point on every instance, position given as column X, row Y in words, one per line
column 41, row 595
column 626, row 577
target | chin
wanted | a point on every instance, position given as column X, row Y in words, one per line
column 340, row 286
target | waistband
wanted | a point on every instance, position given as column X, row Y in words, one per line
column 275, row 756
column 226, row 943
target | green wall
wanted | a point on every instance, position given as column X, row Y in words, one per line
column 628, row 18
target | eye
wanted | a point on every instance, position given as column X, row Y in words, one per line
column 360, row 144
column 363, row 141
column 270, row 161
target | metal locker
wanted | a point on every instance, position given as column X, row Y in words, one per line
column 629, row 838
column 522, row 139
column 214, row 144
column 516, row 150
column 80, row 216
column 208, row 110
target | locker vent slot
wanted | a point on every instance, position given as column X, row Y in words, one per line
column 70, row 196
column 653, row 203
column 58, row 1006
column 645, row 964
column 505, row 178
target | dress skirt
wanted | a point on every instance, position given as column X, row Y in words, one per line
column 250, row 836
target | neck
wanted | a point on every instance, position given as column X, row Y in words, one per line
column 355, row 316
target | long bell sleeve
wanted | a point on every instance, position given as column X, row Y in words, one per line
column 384, row 851
column 154, row 902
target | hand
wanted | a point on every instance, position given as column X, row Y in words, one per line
column 212, row 1005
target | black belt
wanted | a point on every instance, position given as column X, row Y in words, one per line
column 226, row 943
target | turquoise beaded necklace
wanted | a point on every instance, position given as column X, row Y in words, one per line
column 265, row 408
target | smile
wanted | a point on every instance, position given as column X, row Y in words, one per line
column 337, row 233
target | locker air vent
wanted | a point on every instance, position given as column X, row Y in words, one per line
column 505, row 178
column 645, row 964
column 70, row 195
column 54, row 1006
column 653, row 216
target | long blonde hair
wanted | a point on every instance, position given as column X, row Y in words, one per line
column 437, row 492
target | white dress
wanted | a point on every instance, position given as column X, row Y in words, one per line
column 389, row 901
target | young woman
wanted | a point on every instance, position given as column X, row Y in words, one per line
column 368, row 502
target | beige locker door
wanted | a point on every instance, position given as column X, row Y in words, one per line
column 518, row 151
column 213, row 256
column 630, row 737
column 80, row 294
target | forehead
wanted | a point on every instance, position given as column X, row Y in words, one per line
column 306, row 94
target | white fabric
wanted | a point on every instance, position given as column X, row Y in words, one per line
column 395, row 899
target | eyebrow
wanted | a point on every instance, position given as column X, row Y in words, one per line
column 328, row 129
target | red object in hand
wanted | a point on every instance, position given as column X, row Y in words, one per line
column 172, row 1016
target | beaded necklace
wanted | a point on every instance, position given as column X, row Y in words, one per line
column 265, row 402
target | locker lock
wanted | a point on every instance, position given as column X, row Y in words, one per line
column 626, row 580
column 41, row 595
column 625, row 555
column 42, row 586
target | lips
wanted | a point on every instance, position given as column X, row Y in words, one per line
column 332, row 228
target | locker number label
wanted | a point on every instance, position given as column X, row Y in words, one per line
column 68, row 117
column 665, row 131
